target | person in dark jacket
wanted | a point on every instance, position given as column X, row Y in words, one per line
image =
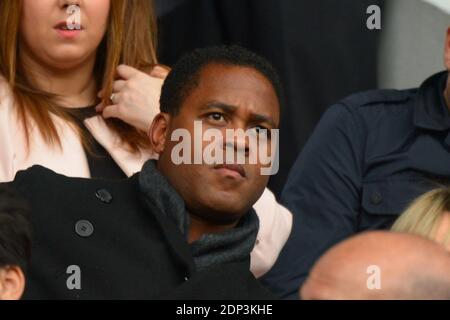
column 368, row 158
column 171, row 231
column 15, row 237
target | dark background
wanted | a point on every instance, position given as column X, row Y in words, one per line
column 322, row 50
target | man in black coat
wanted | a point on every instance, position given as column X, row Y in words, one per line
column 175, row 230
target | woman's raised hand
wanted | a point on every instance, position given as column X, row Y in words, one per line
column 135, row 96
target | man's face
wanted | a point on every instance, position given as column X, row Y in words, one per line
column 227, row 97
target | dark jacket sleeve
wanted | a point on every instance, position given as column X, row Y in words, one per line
column 323, row 193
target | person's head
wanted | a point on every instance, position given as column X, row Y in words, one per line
column 15, row 237
column 380, row 265
column 112, row 32
column 428, row 216
column 224, row 88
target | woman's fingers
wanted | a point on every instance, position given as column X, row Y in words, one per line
column 118, row 85
column 99, row 108
column 112, row 111
column 159, row 72
column 127, row 72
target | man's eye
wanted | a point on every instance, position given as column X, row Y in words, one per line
column 259, row 130
column 216, row 116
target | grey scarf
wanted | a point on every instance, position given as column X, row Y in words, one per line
column 211, row 249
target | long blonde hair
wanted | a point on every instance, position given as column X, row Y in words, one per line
column 130, row 39
column 425, row 214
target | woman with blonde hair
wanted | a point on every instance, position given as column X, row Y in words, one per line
column 428, row 216
column 80, row 100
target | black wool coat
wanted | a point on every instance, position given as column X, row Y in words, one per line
column 95, row 239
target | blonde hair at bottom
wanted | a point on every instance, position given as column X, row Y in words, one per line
column 425, row 214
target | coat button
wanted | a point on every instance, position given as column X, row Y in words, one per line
column 376, row 198
column 104, row 195
column 84, row 228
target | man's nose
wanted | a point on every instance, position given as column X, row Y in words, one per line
column 238, row 142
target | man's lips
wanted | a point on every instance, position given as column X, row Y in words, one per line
column 237, row 168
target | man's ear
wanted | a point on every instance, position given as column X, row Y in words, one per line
column 12, row 283
column 158, row 132
column 447, row 50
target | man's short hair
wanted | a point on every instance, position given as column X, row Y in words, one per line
column 184, row 76
column 15, row 230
